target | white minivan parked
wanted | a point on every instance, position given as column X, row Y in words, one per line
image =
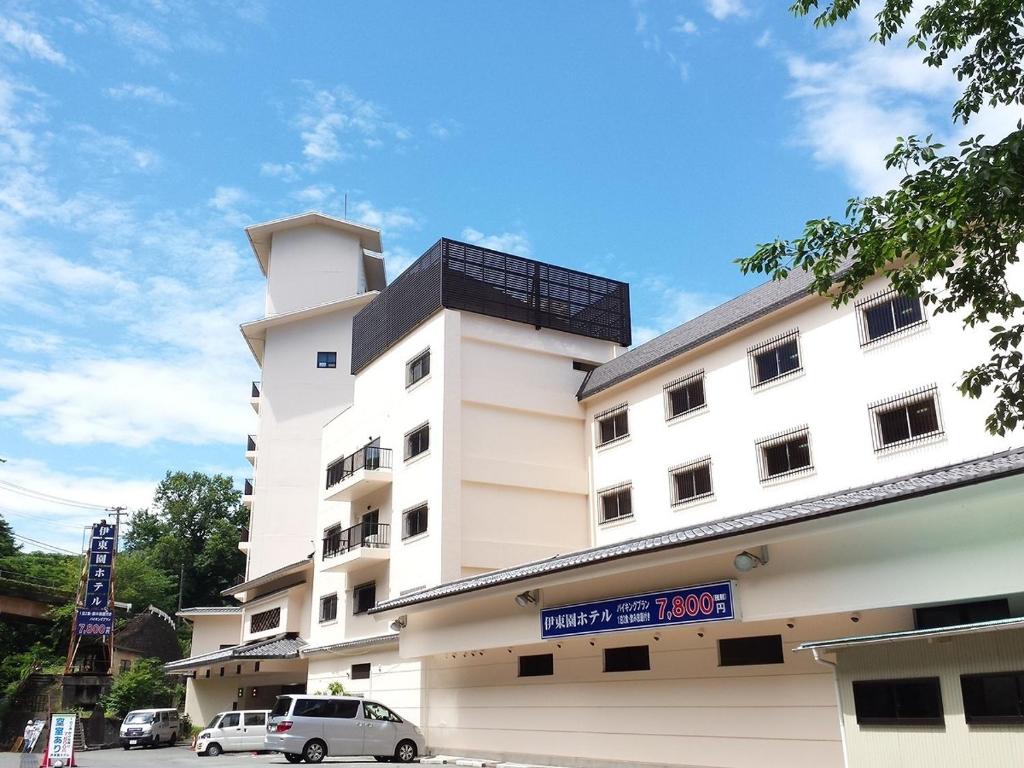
column 311, row 728
column 149, row 728
column 233, row 732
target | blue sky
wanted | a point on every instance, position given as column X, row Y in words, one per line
column 653, row 142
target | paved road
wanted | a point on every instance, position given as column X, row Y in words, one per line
column 168, row 757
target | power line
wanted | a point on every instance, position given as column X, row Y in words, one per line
column 45, row 545
column 43, row 496
column 49, row 520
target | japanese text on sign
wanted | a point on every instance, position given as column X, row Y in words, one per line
column 62, row 737
column 687, row 605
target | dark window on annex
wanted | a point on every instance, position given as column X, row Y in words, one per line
column 326, row 359
column 616, row 503
column 685, row 396
column 612, row 425
column 630, row 658
column 914, row 701
column 360, row 671
column 414, row 521
column 748, row 651
column 417, row 441
column 364, row 597
column 537, row 665
column 328, row 608
column 418, row 368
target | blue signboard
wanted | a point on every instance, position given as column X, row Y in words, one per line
column 687, row 605
column 94, row 623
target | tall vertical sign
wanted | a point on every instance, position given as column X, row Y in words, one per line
column 94, row 614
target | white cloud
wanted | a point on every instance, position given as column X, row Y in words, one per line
column 397, row 260
column 283, row 171
column 764, row 39
column 147, row 93
column 723, row 9
column 116, row 150
column 333, row 122
column 316, row 195
column 388, row 219
column 509, row 242
column 671, row 307
column 684, row 26
column 445, row 129
column 29, row 42
column 227, row 198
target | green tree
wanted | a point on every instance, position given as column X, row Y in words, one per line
column 956, row 221
column 191, row 533
column 143, row 686
column 8, row 546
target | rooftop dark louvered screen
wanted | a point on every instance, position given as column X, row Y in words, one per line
column 467, row 277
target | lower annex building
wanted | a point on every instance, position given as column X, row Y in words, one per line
column 775, row 534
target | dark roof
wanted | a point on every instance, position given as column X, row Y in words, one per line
column 149, row 635
column 284, row 646
column 267, row 578
column 351, row 645
column 714, row 323
column 210, row 610
column 899, row 489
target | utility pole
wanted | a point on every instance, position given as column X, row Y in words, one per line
column 113, row 581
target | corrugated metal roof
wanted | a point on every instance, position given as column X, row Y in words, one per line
column 919, row 484
column 285, row 646
column 267, row 578
column 916, row 634
column 351, row 645
column 744, row 309
column 211, row 610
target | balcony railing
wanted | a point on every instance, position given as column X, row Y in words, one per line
column 255, row 389
column 371, row 535
column 247, row 488
column 367, row 457
column 250, row 444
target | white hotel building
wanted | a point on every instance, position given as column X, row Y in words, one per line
column 444, row 462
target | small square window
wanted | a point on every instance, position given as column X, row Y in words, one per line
column 905, row 419
column 360, row 671
column 417, row 441
column 993, row 699
column 537, row 665
column 326, row 359
column 364, row 597
column 630, row 658
column 887, row 314
column 612, row 425
column 414, row 521
column 685, row 395
column 748, row 651
column 328, row 608
column 616, row 503
column 691, row 482
column 784, row 454
column 915, row 701
column 774, row 358
column 417, row 368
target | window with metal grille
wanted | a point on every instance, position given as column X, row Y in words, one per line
column 994, row 698
column 685, row 395
column 261, row 622
column 914, row 701
column 692, row 481
column 775, row 358
column 748, row 651
column 953, row 614
column 414, row 521
column 417, row 441
column 360, row 671
column 537, row 665
column 612, row 424
column 616, row 502
column 905, row 419
column 326, row 359
column 328, row 608
column 629, row 658
column 887, row 314
column 364, row 597
column 784, row 454
column 417, row 368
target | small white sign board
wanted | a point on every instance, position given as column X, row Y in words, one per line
column 62, row 739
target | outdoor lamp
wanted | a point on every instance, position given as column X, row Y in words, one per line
column 747, row 561
column 399, row 624
column 524, row 599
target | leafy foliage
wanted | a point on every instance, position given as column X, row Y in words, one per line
column 191, row 535
column 8, row 546
column 955, row 223
column 143, row 686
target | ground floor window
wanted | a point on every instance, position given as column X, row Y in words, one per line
column 537, row 665
column 743, row 651
column 360, row 671
column 629, row 658
column 993, row 699
column 913, row 701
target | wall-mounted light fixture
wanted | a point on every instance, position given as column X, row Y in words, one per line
column 526, row 598
column 400, row 623
column 748, row 561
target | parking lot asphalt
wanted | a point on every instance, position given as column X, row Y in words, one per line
column 168, row 757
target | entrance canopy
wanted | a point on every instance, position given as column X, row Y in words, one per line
column 283, row 646
column 914, row 634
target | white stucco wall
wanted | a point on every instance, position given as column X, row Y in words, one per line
column 312, row 265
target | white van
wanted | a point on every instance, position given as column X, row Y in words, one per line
column 241, row 731
column 149, row 727
column 311, row 728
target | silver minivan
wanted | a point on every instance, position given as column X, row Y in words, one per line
column 149, row 727
column 311, row 728
column 236, row 731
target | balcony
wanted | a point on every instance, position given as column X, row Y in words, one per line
column 243, row 539
column 358, row 474
column 254, row 397
column 247, row 494
column 250, row 449
column 362, row 544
